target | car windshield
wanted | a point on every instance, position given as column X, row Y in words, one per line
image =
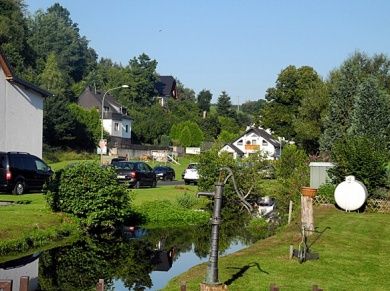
column 159, row 169
column 192, row 166
column 124, row 166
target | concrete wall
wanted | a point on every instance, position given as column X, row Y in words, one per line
column 21, row 118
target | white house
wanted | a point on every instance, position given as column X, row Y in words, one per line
column 115, row 119
column 254, row 140
column 21, row 112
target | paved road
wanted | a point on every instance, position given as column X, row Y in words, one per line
column 169, row 183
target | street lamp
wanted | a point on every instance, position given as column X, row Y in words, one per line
column 102, row 112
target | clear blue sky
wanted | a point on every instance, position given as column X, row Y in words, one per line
column 237, row 46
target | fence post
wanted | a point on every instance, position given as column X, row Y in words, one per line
column 183, row 286
column 315, row 288
column 100, row 285
column 273, row 287
column 24, row 281
column 6, row 285
column 290, row 207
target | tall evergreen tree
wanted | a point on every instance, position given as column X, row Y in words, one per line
column 52, row 78
column 224, row 105
column 371, row 114
column 343, row 86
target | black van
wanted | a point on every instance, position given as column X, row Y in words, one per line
column 20, row 172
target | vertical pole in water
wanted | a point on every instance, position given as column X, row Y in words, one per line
column 212, row 268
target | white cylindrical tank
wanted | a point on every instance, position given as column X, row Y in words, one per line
column 351, row 194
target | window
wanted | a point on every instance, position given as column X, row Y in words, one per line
column 3, row 162
column 116, row 126
column 106, row 108
column 254, row 141
column 126, row 128
column 41, row 166
column 240, row 142
column 264, row 143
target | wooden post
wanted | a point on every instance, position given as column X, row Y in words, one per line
column 23, row 286
column 213, row 287
column 291, row 252
column 307, row 218
column 6, row 285
column 183, row 286
column 290, row 207
column 100, row 285
column 315, row 288
column 273, row 287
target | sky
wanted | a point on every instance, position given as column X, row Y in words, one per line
column 235, row 46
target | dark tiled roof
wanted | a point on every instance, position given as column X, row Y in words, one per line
column 261, row 132
column 89, row 99
column 10, row 76
column 166, row 86
column 236, row 149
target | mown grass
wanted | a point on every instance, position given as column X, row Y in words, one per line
column 29, row 223
column 354, row 255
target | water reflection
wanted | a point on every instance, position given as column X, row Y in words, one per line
column 130, row 261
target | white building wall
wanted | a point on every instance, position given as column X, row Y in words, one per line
column 21, row 118
column 256, row 142
column 124, row 123
column 107, row 125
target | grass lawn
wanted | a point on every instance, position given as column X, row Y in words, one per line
column 170, row 193
column 19, row 219
column 354, row 255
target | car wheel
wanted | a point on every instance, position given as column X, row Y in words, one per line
column 19, row 188
column 137, row 185
column 154, row 184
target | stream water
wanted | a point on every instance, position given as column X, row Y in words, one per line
column 138, row 260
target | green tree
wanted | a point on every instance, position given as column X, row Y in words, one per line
column 142, row 78
column 204, row 99
column 88, row 130
column 186, row 134
column 58, row 122
column 52, row 78
column 371, row 114
column 210, row 126
column 53, row 31
column 343, row 85
column 13, row 35
column 184, row 93
column 283, row 101
column 362, row 157
column 252, row 107
column 309, row 122
column 224, row 105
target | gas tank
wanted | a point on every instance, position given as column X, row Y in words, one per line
column 351, row 194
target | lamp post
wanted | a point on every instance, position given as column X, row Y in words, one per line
column 102, row 116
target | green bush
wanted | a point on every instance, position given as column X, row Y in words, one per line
column 91, row 193
column 327, row 190
column 292, row 171
column 258, row 227
column 361, row 157
column 186, row 200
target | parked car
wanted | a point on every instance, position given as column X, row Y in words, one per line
column 21, row 172
column 191, row 174
column 135, row 174
column 118, row 159
column 164, row 173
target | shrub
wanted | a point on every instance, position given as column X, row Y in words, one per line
column 91, row 193
column 186, row 200
column 258, row 227
column 327, row 190
column 292, row 171
column 361, row 157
